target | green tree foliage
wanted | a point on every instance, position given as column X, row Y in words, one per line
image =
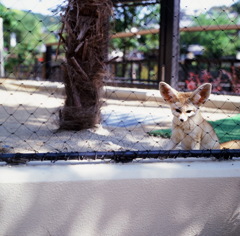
column 216, row 43
column 126, row 18
column 27, row 28
column 31, row 30
column 8, row 19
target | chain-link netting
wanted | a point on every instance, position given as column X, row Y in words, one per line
column 135, row 42
column 135, row 119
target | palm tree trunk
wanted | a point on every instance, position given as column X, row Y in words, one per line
column 86, row 24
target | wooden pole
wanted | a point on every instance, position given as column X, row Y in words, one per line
column 184, row 29
column 156, row 31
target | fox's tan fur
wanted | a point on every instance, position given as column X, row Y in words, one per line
column 188, row 126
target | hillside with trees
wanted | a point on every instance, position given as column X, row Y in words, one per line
column 25, row 34
column 216, row 43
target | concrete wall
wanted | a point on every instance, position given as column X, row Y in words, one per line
column 175, row 198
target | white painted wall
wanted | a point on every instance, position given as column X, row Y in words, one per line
column 175, row 198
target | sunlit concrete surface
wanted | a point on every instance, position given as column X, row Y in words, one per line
column 29, row 114
column 170, row 198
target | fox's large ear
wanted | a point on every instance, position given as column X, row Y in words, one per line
column 168, row 93
column 201, row 94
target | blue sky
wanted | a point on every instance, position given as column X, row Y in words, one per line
column 43, row 6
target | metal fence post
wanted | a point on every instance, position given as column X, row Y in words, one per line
column 48, row 62
column 169, row 42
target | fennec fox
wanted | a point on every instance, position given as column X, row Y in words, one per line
column 188, row 126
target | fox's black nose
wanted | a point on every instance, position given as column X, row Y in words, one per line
column 181, row 120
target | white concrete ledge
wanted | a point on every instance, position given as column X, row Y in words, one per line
column 216, row 101
column 45, row 86
column 173, row 168
column 225, row 102
column 180, row 198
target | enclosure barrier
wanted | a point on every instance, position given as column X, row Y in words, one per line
column 71, row 183
column 117, row 156
column 180, row 198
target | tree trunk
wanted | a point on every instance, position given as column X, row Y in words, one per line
column 86, row 24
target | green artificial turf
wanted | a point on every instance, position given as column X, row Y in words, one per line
column 226, row 129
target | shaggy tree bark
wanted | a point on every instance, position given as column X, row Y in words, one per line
column 86, row 26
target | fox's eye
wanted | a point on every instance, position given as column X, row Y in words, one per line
column 177, row 110
column 189, row 111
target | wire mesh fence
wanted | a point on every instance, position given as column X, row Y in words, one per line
column 135, row 122
column 135, row 42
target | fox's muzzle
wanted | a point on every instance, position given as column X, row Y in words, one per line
column 183, row 117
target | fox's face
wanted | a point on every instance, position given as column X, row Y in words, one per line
column 185, row 104
column 183, row 111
